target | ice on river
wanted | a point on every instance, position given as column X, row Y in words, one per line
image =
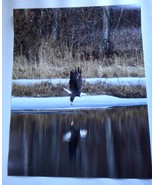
column 63, row 103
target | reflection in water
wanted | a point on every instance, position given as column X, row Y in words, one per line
column 116, row 145
column 74, row 140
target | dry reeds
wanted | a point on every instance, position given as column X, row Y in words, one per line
column 48, row 89
column 52, row 65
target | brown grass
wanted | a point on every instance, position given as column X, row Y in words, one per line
column 56, row 62
column 48, row 90
column 61, row 69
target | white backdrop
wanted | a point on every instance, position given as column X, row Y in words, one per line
column 7, row 52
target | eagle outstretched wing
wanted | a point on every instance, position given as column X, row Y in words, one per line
column 75, row 83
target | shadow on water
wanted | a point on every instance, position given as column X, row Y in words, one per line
column 116, row 144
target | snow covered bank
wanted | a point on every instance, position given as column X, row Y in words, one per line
column 116, row 81
column 63, row 103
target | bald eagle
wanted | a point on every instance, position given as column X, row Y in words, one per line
column 75, row 83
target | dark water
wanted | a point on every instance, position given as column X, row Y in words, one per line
column 116, row 145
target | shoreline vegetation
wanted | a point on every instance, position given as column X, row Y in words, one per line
column 46, row 89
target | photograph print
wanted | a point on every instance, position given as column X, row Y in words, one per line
column 79, row 102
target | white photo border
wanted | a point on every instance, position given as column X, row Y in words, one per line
column 7, row 51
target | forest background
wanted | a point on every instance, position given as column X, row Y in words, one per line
column 103, row 41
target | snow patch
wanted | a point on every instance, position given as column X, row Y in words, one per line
column 114, row 81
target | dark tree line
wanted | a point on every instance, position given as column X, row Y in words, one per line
column 79, row 29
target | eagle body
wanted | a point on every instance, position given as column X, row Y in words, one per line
column 75, row 83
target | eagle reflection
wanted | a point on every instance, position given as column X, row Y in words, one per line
column 74, row 140
column 73, row 137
